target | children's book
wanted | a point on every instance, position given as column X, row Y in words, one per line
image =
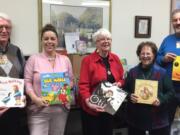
column 109, row 96
column 146, row 90
column 176, row 69
column 11, row 92
column 56, row 88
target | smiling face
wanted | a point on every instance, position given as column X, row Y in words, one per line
column 103, row 44
column 49, row 42
column 146, row 56
column 5, row 31
column 176, row 22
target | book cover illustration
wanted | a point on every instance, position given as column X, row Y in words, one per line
column 176, row 69
column 81, row 47
column 11, row 92
column 146, row 90
column 109, row 96
column 55, row 88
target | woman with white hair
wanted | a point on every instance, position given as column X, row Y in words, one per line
column 101, row 65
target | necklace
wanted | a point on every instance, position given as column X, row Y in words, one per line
column 108, row 71
column 51, row 59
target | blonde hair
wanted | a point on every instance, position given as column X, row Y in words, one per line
column 101, row 32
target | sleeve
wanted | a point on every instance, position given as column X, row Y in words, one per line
column 84, row 80
column 21, row 61
column 129, row 85
column 70, row 71
column 168, row 92
column 121, row 71
column 28, row 74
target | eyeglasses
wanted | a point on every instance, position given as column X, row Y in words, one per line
column 8, row 28
column 104, row 39
column 145, row 54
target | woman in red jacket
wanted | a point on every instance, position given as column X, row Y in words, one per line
column 101, row 65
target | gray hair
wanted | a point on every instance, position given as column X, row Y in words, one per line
column 5, row 17
column 101, row 32
column 174, row 12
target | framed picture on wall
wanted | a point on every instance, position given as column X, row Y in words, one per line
column 142, row 26
column 80, row 17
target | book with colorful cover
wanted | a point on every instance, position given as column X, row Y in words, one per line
column 176, row 69
column 11, row 92
column 146, row 90
column 56, row 88
column 109, row 96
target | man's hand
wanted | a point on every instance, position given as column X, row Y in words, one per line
column 3, row 110
column 169, row 57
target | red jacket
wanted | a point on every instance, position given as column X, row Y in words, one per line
column 92, row 72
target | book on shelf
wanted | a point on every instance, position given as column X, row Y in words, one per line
column 70, row 41
column 11, row 92
column 146, row 90
column 176, row 69
column 56, row 88
column 109, row 96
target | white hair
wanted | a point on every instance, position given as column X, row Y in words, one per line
column 5, row 17
column 101, row 32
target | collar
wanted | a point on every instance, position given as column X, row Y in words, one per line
column 97, row 57
column 4, row 50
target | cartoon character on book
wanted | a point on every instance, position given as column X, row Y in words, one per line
column 50, row 97
column 108, row 95
column 17, row 94
column 146, row 93
column 63, row 96
column 176, row 69
column 6, row 99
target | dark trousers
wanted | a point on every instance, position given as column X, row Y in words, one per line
column 172, row 110
column 160, row 131
column 14, row 122
column 97, row 125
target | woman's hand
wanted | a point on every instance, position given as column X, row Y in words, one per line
column 40, row 102
column 134, row 98
column 94, row 107
column 156, row 102
column 117, row 84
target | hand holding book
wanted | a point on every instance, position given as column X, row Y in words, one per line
column 156, row 102
column 134, row 99
column 94, row 107
column 40, row 102
column 107, row 97
column 3, row 110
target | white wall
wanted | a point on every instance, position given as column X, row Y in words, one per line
column 123, row 13
column 24, row 15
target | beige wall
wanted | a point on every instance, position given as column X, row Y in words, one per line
column 123, row 12
column 24, row 15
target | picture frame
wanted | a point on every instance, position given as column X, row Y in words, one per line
column 142, row 26
column 175, row 4
column 56, row 13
